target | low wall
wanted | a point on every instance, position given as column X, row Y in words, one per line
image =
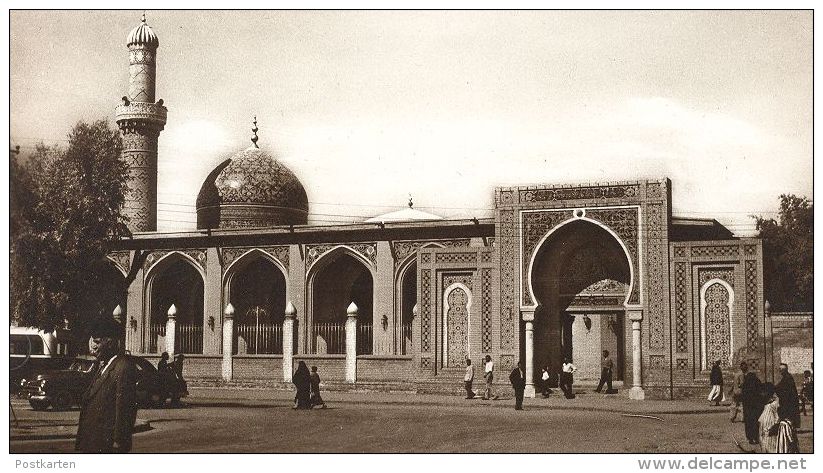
column 329, row 367
column 257, row 367
column 385, row 368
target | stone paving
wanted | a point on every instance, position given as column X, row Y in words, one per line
column 261, row 420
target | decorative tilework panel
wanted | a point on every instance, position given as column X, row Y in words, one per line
column 426, row 310
column 680, row 307
column 457, row 335
column 718, row 325
column 655, row 275
column 486, row 318
column 751, row 304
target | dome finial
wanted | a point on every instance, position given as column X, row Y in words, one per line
column 411, row 202
column 143, row 19
column 254, row 131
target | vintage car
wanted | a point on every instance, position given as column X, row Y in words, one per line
column 62, row 389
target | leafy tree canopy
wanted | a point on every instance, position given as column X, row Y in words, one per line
column 788, row 258
column 66, row 205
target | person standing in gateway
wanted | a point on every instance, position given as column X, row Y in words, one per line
column 606, row 367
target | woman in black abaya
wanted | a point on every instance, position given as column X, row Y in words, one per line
column 302, row 381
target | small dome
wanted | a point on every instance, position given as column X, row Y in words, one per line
column 251, row 189
column 406, row 215
column 143, row 35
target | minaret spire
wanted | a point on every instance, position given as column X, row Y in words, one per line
column 141, row 120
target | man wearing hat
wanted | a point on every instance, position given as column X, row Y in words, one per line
column 108, row 408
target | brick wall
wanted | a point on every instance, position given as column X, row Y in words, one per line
column 792, row 341
column 196, row 366
column 385, row 368
column 329, row 367
column 257, row 367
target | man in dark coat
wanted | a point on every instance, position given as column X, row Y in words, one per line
column 752, row 399
column 108, row 408
column 518, row 380
column 786, row 391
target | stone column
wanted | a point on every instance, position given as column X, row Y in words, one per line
column 134, row 310
column 351, row 343
column 214, row 303
column 288, row 341
column 636, row 391
column 171, row 328
column 568, row 349
column 528, row 318
column 228, row 338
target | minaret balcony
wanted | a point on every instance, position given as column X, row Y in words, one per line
column 147, row 113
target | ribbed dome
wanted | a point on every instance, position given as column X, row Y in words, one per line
column 143, row 35
column 251, row 189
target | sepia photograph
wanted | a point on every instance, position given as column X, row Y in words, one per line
column 436, row 231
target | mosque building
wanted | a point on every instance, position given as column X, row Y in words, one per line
column 403, row 299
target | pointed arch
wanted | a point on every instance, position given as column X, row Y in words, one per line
column 330, row 256
column 564, row 224
column 154, row 313
column 256, row 285
column 336, row 279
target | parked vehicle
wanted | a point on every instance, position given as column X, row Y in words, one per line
column 62, row 389
column 32, row 351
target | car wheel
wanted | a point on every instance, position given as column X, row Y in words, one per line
column 62, row 400
column 38, row 405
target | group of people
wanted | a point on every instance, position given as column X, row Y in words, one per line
column 308, row 387
column 488, row 376
column 172, row 383
column 518, row 377
column 771, row 412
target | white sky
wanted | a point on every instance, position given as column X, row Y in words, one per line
column 368, row 107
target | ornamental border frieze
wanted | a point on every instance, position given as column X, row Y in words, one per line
column 536, row 224
column 196, row 255
column 402, row 249
column 279, row 253
column 715, row 251
column 627, row 191
column 121, row 259
column 366, row 250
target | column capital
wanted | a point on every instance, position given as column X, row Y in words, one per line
column 229, row 312
column 635, row 315
column 527, row 313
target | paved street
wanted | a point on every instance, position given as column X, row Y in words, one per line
column 248, row 420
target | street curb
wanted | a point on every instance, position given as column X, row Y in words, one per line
column 141, row 425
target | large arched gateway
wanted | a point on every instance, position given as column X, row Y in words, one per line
column 580, row 276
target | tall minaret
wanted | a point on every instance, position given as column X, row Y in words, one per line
column 141, row 120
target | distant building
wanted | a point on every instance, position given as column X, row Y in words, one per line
column 560, row 271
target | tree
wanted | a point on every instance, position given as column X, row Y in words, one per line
column 66, row 207
column 788, row 258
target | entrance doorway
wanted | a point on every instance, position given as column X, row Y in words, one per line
column 580, row 276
